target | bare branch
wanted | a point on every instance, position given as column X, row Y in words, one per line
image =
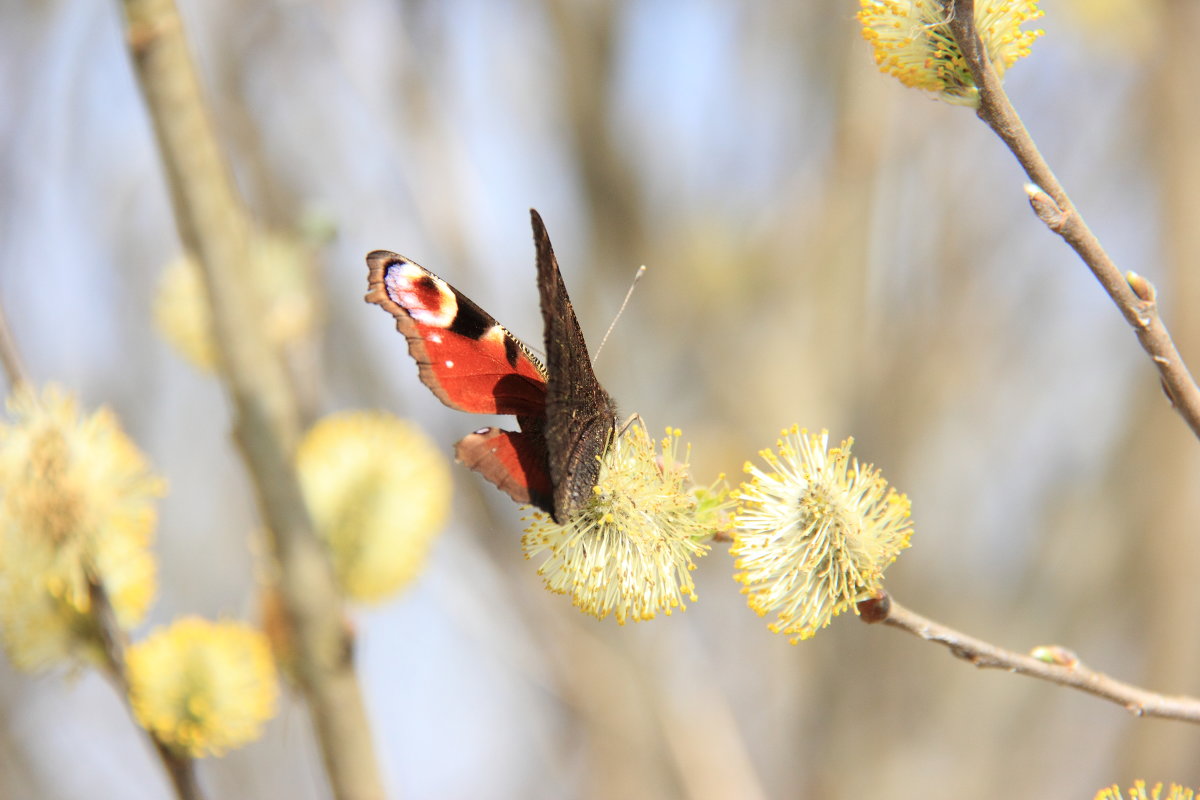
column 1054, row 207
column 1065, row 671
column 216, row 228
column 10, row 356
column 180, row 768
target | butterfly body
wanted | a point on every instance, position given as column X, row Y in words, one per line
column 472, row 363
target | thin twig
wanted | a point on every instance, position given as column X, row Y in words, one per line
column 1069, row 672
column 216, row 228
column 180, row 768
column 10, row 355
column 1055, row 209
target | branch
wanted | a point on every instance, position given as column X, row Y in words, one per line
column 1054, row 207
column 180, row 768
column 216, row 228
column 10, row 356
column 1066, row 671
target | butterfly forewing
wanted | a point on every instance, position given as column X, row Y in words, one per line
column 580, row 416
column 463, row 355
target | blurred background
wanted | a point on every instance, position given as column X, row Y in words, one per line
column 825, row 247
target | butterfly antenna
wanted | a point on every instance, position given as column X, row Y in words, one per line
column 637, row 276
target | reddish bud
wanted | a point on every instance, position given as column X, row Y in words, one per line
column 875, row 609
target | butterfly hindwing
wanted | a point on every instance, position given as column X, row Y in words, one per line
column 514, row 462
column 580, row 416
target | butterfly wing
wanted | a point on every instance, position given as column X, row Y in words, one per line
column 514, row 462
column 471, row 363
column 463, row 355
column 580, row 417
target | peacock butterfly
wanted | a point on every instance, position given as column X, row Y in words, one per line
column 472, row 363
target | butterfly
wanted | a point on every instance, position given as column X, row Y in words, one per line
column 472, row 363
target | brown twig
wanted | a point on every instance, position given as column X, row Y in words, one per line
column 1055, row 209
column 216, row 228
column 10, row 355
column 180, row 768
column 1068, row 671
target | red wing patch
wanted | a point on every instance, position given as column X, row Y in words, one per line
column 463, row 355
column 514, row 462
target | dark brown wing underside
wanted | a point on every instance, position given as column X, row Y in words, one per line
column 580, row 416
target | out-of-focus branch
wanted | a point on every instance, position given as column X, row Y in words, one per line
column 180, row 768
column 1068, row 671
column 216, row 228
column 10, row 356
column 1054, row 207
column 586, row 36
